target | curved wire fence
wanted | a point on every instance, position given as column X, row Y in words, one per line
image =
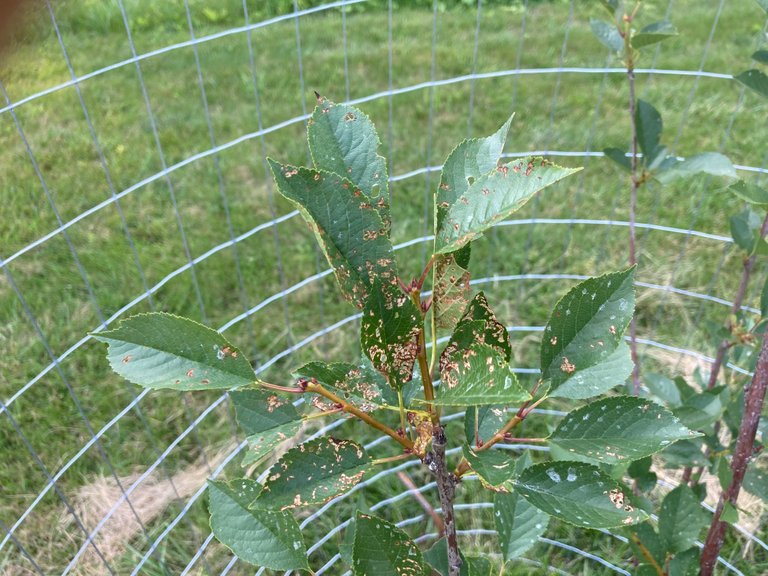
column 135, row 179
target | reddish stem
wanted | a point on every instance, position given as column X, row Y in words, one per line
column 753, row 405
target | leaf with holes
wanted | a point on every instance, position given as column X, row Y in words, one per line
column 343, row 140
column 160, row 350
column 345, row 222
column 582, row 352
column 478, row 325
column 653, row 33
column 314, row 473
column 578, row 493
column 608, row 34
column 494, row 197
column 681, row 519
column 518, row 523
column 754, row 80
column 358, row 385
column 612, row 430
column 382, row 549
column 494, row 467
column 388, row 332
column 712, row 163
column 649, row 127
column 451, row 293
column 267, row 538
column 266, row 419
column 478, row 376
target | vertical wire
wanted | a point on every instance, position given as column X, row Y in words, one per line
column 110, row 183
column 267, row 179
column 163, row 162
column 21, row 549
column 219, row 173
column 471, row 110
column 553, row 107
column 430, row 125
column 318, row 255
column 55, row 486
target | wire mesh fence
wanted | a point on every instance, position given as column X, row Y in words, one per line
column 135, row 138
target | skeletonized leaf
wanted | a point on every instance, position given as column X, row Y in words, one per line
column 649, row 128
column 578, row 493
column 358, row 385
column 653, row 33
column 314, row 473
column 681, row 519
column 346, row 223
column 750, row 193
column 382, row 549
column 611, row 430
column 494, row 467
column 582, row 353
column 343, row 140
column 607, row 34
column 754, row 80
column 266, row 538
column 451, row 292
column 478, row 376
column 266, row 419
column 518, row 523
column 712, row 163
column 388, row 332
column 470, row 160
column 161, row 350
column 493, row 197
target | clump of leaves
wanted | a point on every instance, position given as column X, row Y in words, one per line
column 345, row 200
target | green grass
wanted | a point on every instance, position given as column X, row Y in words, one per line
column 555, row 112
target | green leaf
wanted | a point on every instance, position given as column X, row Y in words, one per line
column 388, row 332
column 314, row 473
column 490, row 420
column 754, row 80
column 610, row 430
column 343, row 140
column 478, row 325
column 681, row 519
column 469, row 161
column 640, row 471
column 495, row 196
column 382, row 549
column 265, row 538
column 712, row 163
column 451, row 292
column 479, row 376
column 347, row 226
column 703, row 409
column 685, row 563
column 745, row 229
column 518, row 523
column 618, row 156
column 750, row 193
column 653, row 33
column 649, row 127
column 437, row 558
column 582, row 352
column 578, row 493
column 663, row 388
column 266, row 419
column 611, row 5
column 160, row 350
column 684, row 453
column 494, row 467
column 650, row 541
column 358, row 385
column 760, row 56
column 607, row 34
column 756, row 480
column 730, row 514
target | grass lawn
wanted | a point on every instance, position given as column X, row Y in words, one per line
column 172, row 209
